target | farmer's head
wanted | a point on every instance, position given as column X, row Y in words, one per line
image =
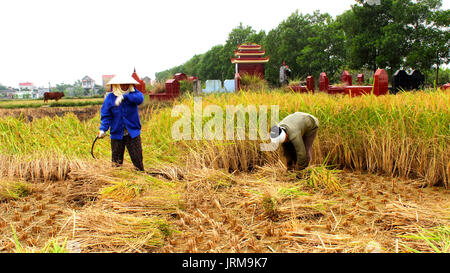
column 277, row 135
column 122, row 84
column 125, row 87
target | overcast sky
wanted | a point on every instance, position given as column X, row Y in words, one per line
column 57, row 41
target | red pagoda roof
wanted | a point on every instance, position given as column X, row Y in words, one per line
column 249, row 60
column 252, row 46
column 249, row 52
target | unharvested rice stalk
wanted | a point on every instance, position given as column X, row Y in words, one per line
column 30, row 168
column 231, row 156
column 405, row 135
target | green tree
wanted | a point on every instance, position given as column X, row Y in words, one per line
column 396, row 34
column 325, row 51
column 292, row 41
column 363, row 26
column 210, row 66
column 429, row 39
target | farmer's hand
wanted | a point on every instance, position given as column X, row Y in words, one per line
column 101, row 134
column 119, row 100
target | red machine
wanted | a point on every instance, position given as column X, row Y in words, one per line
column 346, row 78
column 180, row 77
column 380, row 85
column 310, row 86
column 172, row 87
column 360, row 79
column 172, row 91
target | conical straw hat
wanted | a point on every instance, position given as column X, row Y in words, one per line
column 121, row 79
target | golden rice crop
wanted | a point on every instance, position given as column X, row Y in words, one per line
column 403, row 135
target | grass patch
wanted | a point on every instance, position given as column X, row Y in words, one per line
column 321, row 177
column 269, row 204
column 165, row 228
column 253, row 82
column 292, row 192
column 122, row 191
column 186, row 86
column 14, row 190
column 52, row 246
column 436, row 239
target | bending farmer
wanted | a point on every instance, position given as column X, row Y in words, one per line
column 120, row 113
column 296, row 133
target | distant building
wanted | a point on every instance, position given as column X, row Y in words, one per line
column 147, row 80
column 26, row 86
column 106, row 79
column 88, row 83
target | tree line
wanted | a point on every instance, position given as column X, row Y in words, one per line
column 396, row 34
column 77, row 90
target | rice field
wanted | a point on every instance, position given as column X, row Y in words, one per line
column 378, row 182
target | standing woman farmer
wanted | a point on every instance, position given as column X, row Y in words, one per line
column 120, row 113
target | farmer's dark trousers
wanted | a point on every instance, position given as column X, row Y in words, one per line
column 134, row 147
column 291, row 154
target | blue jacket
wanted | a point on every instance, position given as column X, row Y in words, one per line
column 126, row 115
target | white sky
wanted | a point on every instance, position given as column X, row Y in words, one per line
column 57, row 41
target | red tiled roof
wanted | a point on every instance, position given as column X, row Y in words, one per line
column 26, row 84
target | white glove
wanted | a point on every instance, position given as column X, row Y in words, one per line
column 101, row 134
column 119, row 100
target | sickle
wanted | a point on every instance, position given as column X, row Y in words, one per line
column 92, row 148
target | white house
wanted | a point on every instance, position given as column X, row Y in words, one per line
column 26, row 86
column 88, row 83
